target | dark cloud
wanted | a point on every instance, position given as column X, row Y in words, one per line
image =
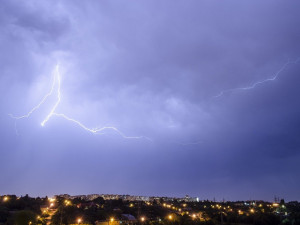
column 152, row 69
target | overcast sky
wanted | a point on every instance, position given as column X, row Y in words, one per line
column 212, row 87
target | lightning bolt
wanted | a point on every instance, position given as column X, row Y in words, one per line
column 274, row 77
column 97, row 130
column 58, row 97
column 52, row 112
column 38, row 105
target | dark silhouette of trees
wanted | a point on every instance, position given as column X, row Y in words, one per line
column 24, row 217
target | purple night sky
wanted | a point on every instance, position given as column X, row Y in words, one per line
column 213, row 84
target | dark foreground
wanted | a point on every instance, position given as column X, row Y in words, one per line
column 30, row 211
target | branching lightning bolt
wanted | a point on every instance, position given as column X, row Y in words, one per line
column 38, row 105
column 58, row 97
column 259, row 82
column 52, row 112
column 97, row 130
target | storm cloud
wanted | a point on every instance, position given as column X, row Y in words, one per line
column 153, row 69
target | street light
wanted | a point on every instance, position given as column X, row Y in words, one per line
column 142, row 219
column 78, row 220
column 170, row 217
column 67, row 202
column 51, row 199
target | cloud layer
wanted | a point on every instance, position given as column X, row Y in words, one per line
column 152, row 69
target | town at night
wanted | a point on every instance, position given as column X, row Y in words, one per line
column 149, row 112
column 109, row 209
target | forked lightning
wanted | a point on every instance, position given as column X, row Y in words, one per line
column 57, row 80
column 259, row 82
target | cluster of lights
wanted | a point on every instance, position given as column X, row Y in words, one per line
column 167, row 205
column 51, row 199
column 172, row 207
column 217, row 206
column 67, row 202
column 251, row 207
